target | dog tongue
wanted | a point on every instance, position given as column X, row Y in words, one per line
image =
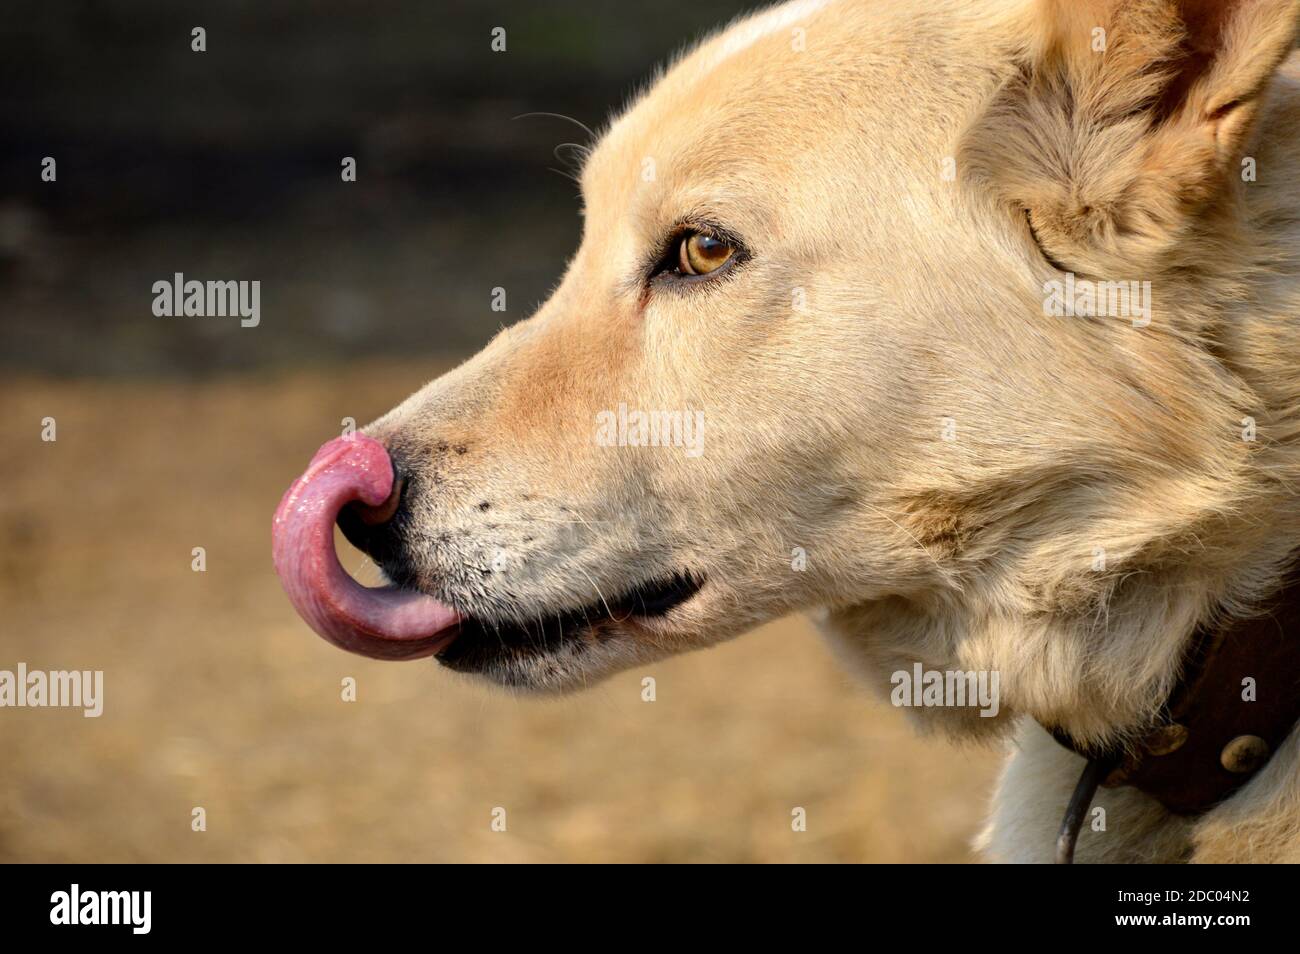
column 383, row 622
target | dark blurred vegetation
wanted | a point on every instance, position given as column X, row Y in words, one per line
column 225, row 165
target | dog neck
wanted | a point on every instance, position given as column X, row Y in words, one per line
column 1236, row 701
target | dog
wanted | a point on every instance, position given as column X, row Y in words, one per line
column 970, row 327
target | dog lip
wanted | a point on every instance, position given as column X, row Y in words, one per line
column 382, row 622
column 482, row 641
column 658, row 597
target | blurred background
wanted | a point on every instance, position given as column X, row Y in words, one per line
column 180, row 433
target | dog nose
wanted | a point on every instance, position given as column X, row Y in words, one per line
column 377, row 530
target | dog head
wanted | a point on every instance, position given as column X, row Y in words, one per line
column 806, row 355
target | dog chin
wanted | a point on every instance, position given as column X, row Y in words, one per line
column 574, row 663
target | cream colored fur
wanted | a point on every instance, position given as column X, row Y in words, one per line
column 883, row 390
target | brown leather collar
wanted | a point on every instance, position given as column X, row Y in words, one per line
column 1236, row 702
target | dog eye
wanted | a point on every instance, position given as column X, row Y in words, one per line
column 700, row 254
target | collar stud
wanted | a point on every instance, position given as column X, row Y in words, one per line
column 1244, row 754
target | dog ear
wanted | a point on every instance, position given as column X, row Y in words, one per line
column 1123, row 129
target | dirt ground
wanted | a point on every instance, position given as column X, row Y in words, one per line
column 217, row 696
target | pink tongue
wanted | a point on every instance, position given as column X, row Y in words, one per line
column 383, row 622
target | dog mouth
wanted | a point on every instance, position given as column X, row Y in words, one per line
column 482, row 643
column 396, row 622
